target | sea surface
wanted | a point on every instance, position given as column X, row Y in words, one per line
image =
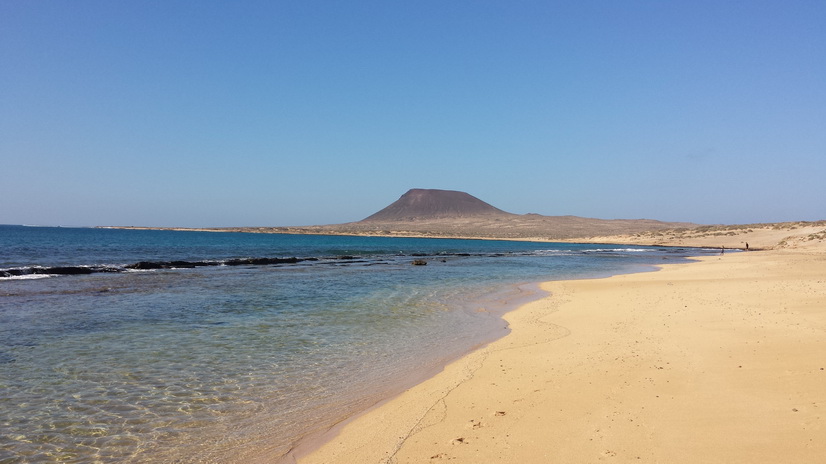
column 173, row 346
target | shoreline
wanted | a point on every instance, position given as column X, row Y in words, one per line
column 498, row 304
column 718, row 360
column 508, row 299
column 502, row 302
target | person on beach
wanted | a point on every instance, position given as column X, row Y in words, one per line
column 722, row 249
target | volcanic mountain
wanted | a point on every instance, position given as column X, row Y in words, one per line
column 419, row 204
column 448, row 213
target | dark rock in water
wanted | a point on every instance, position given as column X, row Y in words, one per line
column 70, row 270
column 419, row 262
column 183, row 264
column 260, row 261
column 145, row 265
column 150, row 265
column 56, row 270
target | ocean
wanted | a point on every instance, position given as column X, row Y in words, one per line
column 181, row 346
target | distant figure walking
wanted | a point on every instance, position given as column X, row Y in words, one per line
column 722, row 249
column 747, row 246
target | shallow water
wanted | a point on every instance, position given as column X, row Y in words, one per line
column 213, row 363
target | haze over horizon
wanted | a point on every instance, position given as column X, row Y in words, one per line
column 261, row 113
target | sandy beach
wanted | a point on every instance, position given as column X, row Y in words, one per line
column 720, row 360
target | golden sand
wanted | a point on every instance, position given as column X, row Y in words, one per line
column 718, row 361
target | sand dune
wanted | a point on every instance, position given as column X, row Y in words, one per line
column 785, row 235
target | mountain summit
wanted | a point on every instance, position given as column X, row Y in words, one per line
column 432, row 203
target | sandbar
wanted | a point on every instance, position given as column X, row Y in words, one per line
column 718, row 360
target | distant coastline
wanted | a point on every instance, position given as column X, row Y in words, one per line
column 757, row 236
column 436, row 213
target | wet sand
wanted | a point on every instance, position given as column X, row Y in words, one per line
column 722, row 360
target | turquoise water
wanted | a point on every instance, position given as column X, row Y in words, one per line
column 162, row 346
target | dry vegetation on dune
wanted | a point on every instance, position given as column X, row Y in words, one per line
column 787, row 235
column 516, row 227
column 723, row 230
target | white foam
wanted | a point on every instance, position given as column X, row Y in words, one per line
column 28, row 277
column 621, row 250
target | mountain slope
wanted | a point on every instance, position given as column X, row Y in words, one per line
column 418, row 204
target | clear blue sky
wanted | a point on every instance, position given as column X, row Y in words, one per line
column 268, row 113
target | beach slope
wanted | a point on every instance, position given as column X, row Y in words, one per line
column 722, row 360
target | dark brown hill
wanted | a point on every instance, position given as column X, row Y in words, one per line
column 419, row 204
column 452, row 214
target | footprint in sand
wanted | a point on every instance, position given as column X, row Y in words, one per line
column 475, row 424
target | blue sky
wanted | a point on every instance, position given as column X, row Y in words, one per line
column 269, row 113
